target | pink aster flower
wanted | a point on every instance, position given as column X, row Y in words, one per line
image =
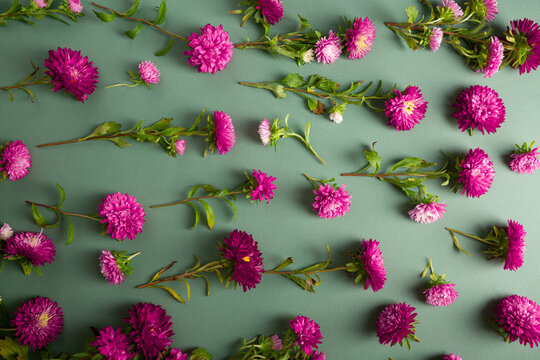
column 75, row 6
column 38, row 322
column 180, row 146
column 452, row 357
column 34, row 247
column 122, row 214
column 40, row 3
column 211, row 50
column 526, row 31
column 479, row 107
column 113, row 344
column 176, row 354
column 6, row 232
column 476, row 173
column 525, row 160
column 441, row 295
column 435, row 38
column 277, row 344
column 149, row 72
column 396, row 323
column 109, row 268
column 456, row 9
column 265, row 131
column 490, row 9
column 319, row 355
column 308, row 333
column 151, row 329
column 331, row 201
column 15, row 160
column 427, row 213
column 373, row 264
column 360, row 38
column 496, row 55
column 70, row 71
column 516, row 246
column 328, row 48
column 224, row 136
column 519, row 318
column 264, row 188
column 244, row 254
column 272, row 10
column 405, row 110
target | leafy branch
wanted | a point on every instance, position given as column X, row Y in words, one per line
column 36, row 77
column 24, row 13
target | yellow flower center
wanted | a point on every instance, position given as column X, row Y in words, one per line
column 44, row 319
column 409, row 107
column 246, row 259
column 34, row 241
column 360, row 42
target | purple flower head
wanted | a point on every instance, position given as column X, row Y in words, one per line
column 526, row 34
column 149, row 72
column 151, row 329
column 113, row 344
column 328, row 48
column 75, row 6
column 331, row 201
column 427, row 213
column 452, row 357
column 496, row 55
column 277, row 344
column 224, row 135
column 264, row 187
column 435, row 38
column 110, row 269
column 123, row 215
column 318, row 355
column 308, row 333
column 40, row 3
column 525, row 161
column 38, row 322
column 441, row 294
column 176, row 354
column 265, row 131
column 476, row 173
column 180, row 146
column 360, row 38
column 519, row 318
column 396, row 323
column 34, row 247
column 516, row 246
column 479, row 107
column 243, row 252
column 15, row 160
column 405, row 110
column 72, row 72
column 6, row 232
column 456, row 9
column 211, row 50
column 373, row 264
column 272, row 10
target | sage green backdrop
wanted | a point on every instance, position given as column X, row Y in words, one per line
column 287, row 226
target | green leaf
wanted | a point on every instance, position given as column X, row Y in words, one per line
column 288, row 261
column 11, row 350
column 132, row 34
column 104, row 17
column 197, row 215
column 210, row 218
column 374, row 159
column 110, row 127
column 456, row 243
column 120, row 142
column 172, row 292
column 233, row 207
column 200, row 354
column 300, row 282
column 161, row 124
column 133, row 9
column 307, row 131
column 167, row 48
column 38, row 218
column 161, row 13
column 197, row 121
column 412, row 163
column 188, row 288
column 71, row 231
column 293, row 80
column 412, row 14
column 62, row 195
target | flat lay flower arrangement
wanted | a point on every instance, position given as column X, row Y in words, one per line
column 226, row 250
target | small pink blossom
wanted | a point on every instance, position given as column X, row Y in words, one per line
column 456, row 9
column 328, row 48
column 525, row 162
column 265, row 132
column 6, row 232
column 40, row 3
column 427, row 213
column 435, row 39
column 75, row 6
column 180, row 146
column 441, row 295
column 149, row 72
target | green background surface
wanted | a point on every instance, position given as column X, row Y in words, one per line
column 287, row 226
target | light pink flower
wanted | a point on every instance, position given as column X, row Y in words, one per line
column 6, row 232
column 427, row 213
column 328, row 48
column 149, row 72
column 75, row 6
column 435, row 39
column 180, row 146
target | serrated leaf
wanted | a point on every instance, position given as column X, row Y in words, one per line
column 173, row 293
column 412, row 14
column 374, row 159
column 210, row 218
column 62, row 195
column 167, row 48
column 71, row 231
column 104, row 17
column 161, row 13
column 133, row 9
column 132, row 34
column 197, row 215
column 38, row 218
column 293, row 80
column 110, row 127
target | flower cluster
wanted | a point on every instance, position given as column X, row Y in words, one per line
column 15, row 160
column 211, row 50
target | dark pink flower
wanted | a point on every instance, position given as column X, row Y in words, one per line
column 441, row 294
column 456, row 9
column 452, row 357
column 308, row 333
column 34, row 247
column 516, row 246
column 243, row 252
column 479, row 107
column 373, row 262
column 75, row 6
column 525, row 162
column 328, row 48
column 427, row 213
column 476, row 173
column 490, row 9
column 149, row 72
column 396, row 323
column 15, row 160
column 224, row 136
column 435, row 38
column 211, row 50
column 176, row 354
column 318, row 355
column 72, row 72
column 272, row 10
column 264, row 189
column 526, row 35
column 360, row 38
column 109, row 268
column 122, row 214
column 405, row 110
column 113, row 344
column 331, row 201
column 40, row 3
column 519, row 318
column 38, row 322
column 496, row 55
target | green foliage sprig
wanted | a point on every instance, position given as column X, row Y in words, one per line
column 24, row 13
column 36, row 77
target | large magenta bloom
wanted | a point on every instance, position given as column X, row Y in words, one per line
column 151, row 329
column 373, row 262
column 441, row 295
column 211, row 50
column 15, row 160
column 35, row 247
column 496, row 55
column 525, row 162
column 308, row 333
column 516, row 246
column 328, row 48
column 244, row 254
column 395, row 323
column 427, row 213
column 479, row 107
column 123, row 215
column 331, row 201
column 452, row 357
column 38, row 322
column 405, row 110
column 72, row 72
column 113, row 344
column 224, row 136
column 109, row 268
column 272, row 10
column 264, row 189
column 435, row 38
column 527, row 31
column 519, row 318
column 456, row 9
column 360, row 38
column 476, row 173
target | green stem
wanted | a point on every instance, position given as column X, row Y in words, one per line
column 63, row 212
column 212, row 266
column 133, row 255
column 408, row 26
column 198, row 198
column 307, row 144
column 339, row 268
column 468, row 235
column 8, row 329
column 126, row 85
column 387, row 175
column 17, row 86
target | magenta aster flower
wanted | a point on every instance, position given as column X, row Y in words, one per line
column 308, row 333
column 264, row 189
column 441, row 295
column 452, row 357
column 151, row 329
column 176, row 354
column 109, row 268
column 224, row 136
column 6, row 232
column 277, row 344
column 516, row 246
column 211, row 51
column 149, row 72
column 525, row 162
column 180, row 146
column 15, row 160
column 265, row 131
column 476, row 173
column 38, row 322
column 479, row 107
column 40, row 3
column 113, row 344
column 456, row 9
column 527, row 31
column 496, row 55
column 490, row 9
column 272, row 10
column 396, row 323
column 405, row 110
column 244, row 254
column 319, row 355
column 360, row 38
column 435, row 38
column 373, row 263
column 123, row 215
column 427, row 213
column 75, row 6
column 328, row 48
column 35, row 247
column 331, row 201
column 519, row 318
column 72, row 72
